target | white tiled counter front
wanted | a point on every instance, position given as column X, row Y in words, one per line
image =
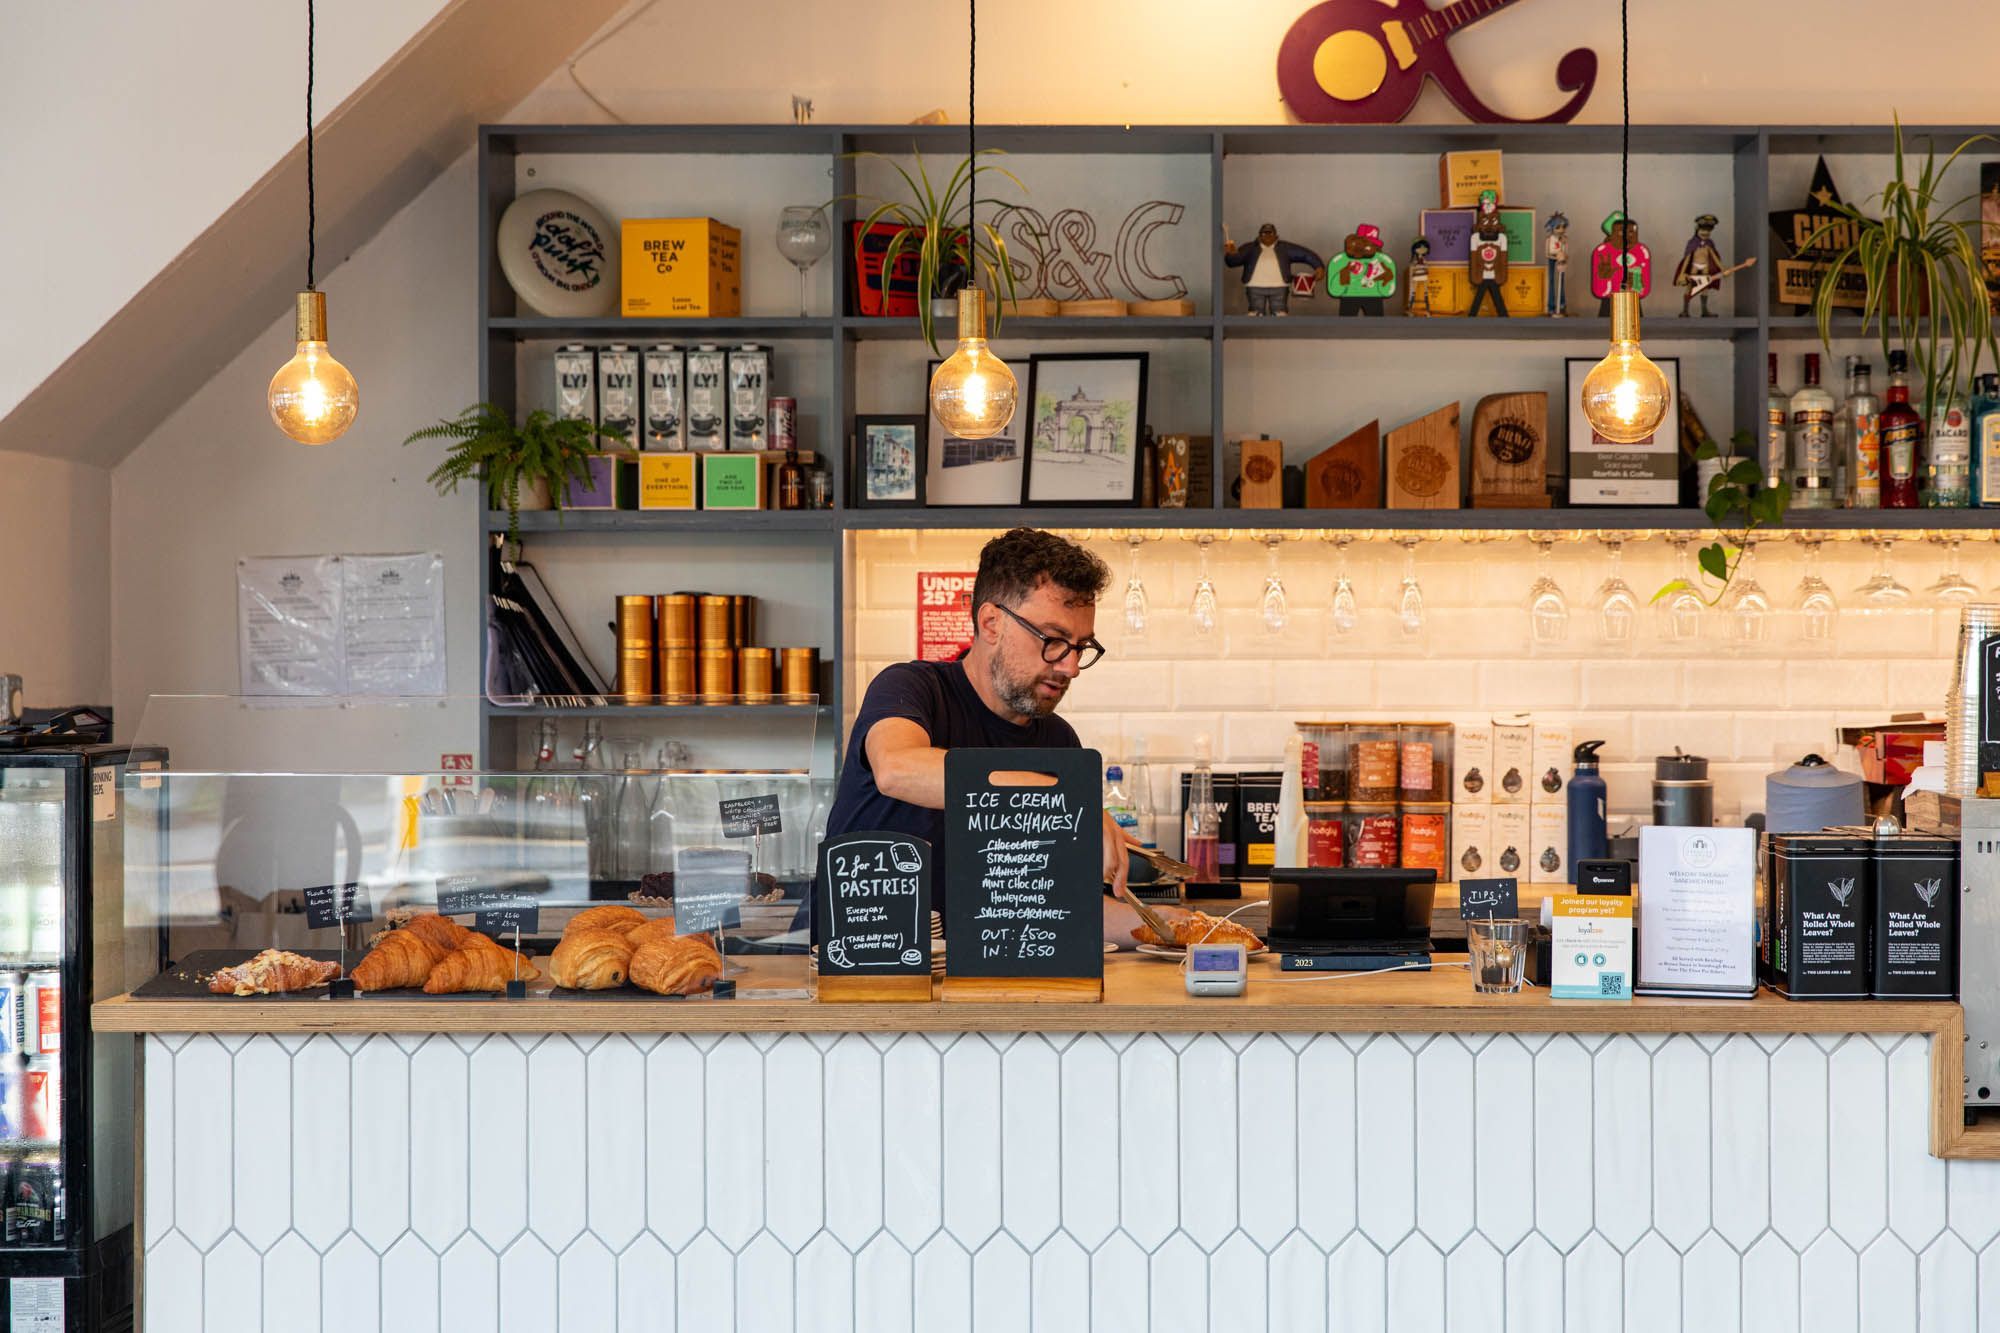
column 937, row 1181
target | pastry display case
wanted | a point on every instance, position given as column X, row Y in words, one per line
column 335, row 858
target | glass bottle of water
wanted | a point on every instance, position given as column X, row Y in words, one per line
column 631, row 833
column 1203, row 827
column 593, row 798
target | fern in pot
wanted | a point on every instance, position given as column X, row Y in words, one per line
column 529, row 465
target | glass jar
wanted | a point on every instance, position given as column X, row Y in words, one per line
column 1427, row 837
column 1324, row 760
column 1326, row 835
column 1423, row 761
column 1374, row 760
column 1374, row 836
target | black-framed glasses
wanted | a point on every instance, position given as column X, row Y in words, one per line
column 1055, row 648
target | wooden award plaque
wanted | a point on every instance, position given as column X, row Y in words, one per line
column 1263, row 473
column 1510, row 451
column 1347, row 475
column 1420, row 462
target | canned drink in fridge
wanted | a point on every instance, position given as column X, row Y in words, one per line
column 705, row 398
column 41, row 1028
column 618, row 391
column 34, row 1200
column 10, row 1013
column 41, row 1101
column 749, row 396
column 11, row 1126
column 576, row 383
column 663, row 369
column 785, row 423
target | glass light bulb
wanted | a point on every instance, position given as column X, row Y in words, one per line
column 973, row 392
column 313, row 398
column 1625, row 396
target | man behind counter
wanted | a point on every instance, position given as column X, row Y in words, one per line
column 1034, row 607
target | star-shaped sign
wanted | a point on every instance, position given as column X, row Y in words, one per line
column 1794, row 226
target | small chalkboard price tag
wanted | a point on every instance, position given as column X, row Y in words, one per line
column 504, row 922
column 710, row 884
column 332, row 904
column 873, row 900
column 747, row 816
column 1488, row 898
column 1024, row 873
column 459, row 894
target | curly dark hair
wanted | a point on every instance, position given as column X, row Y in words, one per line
column 1015, row 563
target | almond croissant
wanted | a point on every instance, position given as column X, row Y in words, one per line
column 272, row 972
column 611, row 916
column 439, row 930
column 590, row 959
column 403, row 958
column 478, row 965
column 676, row 965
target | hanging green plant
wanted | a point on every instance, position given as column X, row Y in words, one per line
column 1738, row 504
column 541, row 453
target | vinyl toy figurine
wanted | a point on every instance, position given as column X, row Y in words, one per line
column 1556, row 254
column 1417, row 291
column 1365, row 276
column 1488, row 268
column 1700, row 269
column 1620, row 262
column 1267, row 269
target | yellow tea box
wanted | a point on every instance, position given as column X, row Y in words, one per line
column 680, row 266
column 667, row 481
column 1461, row 176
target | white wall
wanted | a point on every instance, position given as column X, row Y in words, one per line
column 55, row 564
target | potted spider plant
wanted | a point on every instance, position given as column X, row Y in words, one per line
column 951, row 253
column 1926, row 284
column 529, row 465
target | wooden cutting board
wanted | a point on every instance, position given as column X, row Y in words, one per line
column 1420, row 462
column 1348, row 474
column 1510, row 451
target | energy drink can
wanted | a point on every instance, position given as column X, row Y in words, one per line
column 664, row 373
column 10, row 1013
column 749, row 397
column 576, row 383
column 705, row 399
column 618, row 391
column 785, row 424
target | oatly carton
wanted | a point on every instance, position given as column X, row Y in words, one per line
column 1817, row 913
column 1915, row 945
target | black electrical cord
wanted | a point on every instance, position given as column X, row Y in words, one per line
column 312, row 212
column 1625, row 144
column 971, row 129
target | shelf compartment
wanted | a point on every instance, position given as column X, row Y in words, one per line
column 617, row 328
column 870, row 328
column 554, row 522
column 535, row 712
column 1523, row 328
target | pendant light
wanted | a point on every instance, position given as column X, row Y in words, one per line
column 1625, row 396
column 973, row 393
column 313, row 398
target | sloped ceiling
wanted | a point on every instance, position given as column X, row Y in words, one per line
column 373, row 153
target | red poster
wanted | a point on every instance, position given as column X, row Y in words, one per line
column 944, row 616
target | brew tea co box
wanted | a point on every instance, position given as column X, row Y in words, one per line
column 680, row 266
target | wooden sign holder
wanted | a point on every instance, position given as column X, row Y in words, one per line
column 1510, row 451
column 888, row 878
column 1022, row 990
column 874, row 990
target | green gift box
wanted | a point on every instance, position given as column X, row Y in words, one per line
column 732, row 481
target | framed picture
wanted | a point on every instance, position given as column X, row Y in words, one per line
column 1604, row 473
column 888, row 462
column 1085, row 414
column 972, row 472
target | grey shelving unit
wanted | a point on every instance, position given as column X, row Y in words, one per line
column 1750, row 332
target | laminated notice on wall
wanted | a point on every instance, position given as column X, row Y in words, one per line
column 288, row 625
column 393, row 610
column 341, row 625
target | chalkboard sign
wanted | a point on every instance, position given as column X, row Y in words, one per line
column 1989, row 706
column 1024, row 865
column 747, row 816
column 873, row 902
column 459, row 894
column 331, row 904
column 1488, row 898
column 710, row 884
column 503, row 922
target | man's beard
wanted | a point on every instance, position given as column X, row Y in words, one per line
column 1020, row 696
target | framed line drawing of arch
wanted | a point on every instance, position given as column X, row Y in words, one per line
column 1087, row 411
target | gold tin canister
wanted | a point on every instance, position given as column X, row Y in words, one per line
column 635, row 677
column 718, row 672
column 799, row 672
column 679, row 681
column 757, row 668
column 677, row 620
column 717, row 620
column 742, row 618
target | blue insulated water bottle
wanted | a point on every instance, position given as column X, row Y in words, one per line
column 1587, row 835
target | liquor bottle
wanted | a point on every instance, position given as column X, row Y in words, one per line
column 1986, row 441
column 1202, row 846
column 1860, row 428
column 1812, row 442
column 1777, row 409
column 791, row 482
column 1902, row 437
column 1948, row 459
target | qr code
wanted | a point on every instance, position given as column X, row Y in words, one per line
column 1610, row 983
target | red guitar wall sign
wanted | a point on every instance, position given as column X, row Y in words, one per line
column 1363, row 62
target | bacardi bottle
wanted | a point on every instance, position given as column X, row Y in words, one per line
column 1948, row 459
column 1811, row 415
column 1860, row 429
column 1902, row 437
column 1777, row 410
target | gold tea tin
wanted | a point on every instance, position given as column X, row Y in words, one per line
column 799, row 673
column 756, row 670
column 677, row 620
column 718, row 673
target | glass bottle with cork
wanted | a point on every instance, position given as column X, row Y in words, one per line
column 1202, row 826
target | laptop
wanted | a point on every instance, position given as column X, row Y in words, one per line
column 1350, row 920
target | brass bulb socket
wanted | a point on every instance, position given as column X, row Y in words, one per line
column 971, row 313
column 310, row 317
column 1625, row 317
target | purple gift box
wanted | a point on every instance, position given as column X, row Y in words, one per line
column 613, row 485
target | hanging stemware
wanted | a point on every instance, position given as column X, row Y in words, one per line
column 1410, row 603
column 1204, row 610
column 1818, row 611
column 1137, row 609
column 1952, row 587
column 1749, row 605
column 1548, row 609
column 1272, row 608
column 1883, row 588
column 1680, row 610
column 1344, row 613
column 1617, row 603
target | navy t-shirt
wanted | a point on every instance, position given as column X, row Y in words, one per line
column 937, row 697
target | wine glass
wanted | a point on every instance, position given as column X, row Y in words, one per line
column 803, row 238
column 1749, row 606
column 1617, row 603
column 1548, row 609
column 1344, row 616
column 1137, row 607
column 1952, row 587
column 1680, row 610
column 1272, row 608
column 1882, row 587
column 1203, row 610
column 1814, row 601
column 1410, row 605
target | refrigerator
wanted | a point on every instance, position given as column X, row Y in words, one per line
column 67, row 1133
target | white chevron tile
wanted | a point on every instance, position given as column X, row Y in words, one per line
column 1989, row 1287
column 1475, row 1284
column 646, row 1288
column 1947, row 1286
column 1534, row 1286
column 261, row 1162
column 1888, row 1287
column 676, row 1118
column 854, row 1141
column 1829, row 1286
column 1208, row 1142
column 1652, row 1293
column 1179, row 1279
column 1091, row 1144
column 1857, row 1111
column 1973, row 1189
column 733, row 1121
column 528, row 1286
column 439, row 1116
column 1238, row 1287
column 1504, row 1141
column 1621, row 1140
column 1680, row 1144
column 1416, row 1287
column 764, row 1299
column 232, row 1283
column 1563, row 1180
column 1327, row 1169
column 1002, row 1284
column 912, row 1140
column 291, row 1282
column 793, row 1141
column 615, row 1146
column 410, row 1288
column 587, row 1280
column 941, row 1280
column 1445, row 1122
column 1357, row 1286
column 497, row 1080
column 351, row 1286
column 1386, row 1125
column 972, row 1141
column 1058, row 1285
column 1121, row 1295
column 825, row 1279
column 1712, row 1287
column 1267, row 1147
column 1593, row 1282
column 1148, row 1165
column 382, row 1175
column 1031, row 1156
column 322, row 1121
column 1798, row 1141
column 1299, row 1301
column 202, row 1162
column 1771, row 1290
column 884, row 1281
column 157, row 1125
column 705, row 1283
column 173, row 1280
column 1916, row 1179
column 469, row 1278
column 1739, row 1134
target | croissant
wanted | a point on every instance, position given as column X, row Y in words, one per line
column 676, row 965
column 439, row 930
column 590, row 959
column 1201, row 928
column 272, row 972
column 653, row 928
column 478, row 965
column 611, row 916
column 402, row 958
